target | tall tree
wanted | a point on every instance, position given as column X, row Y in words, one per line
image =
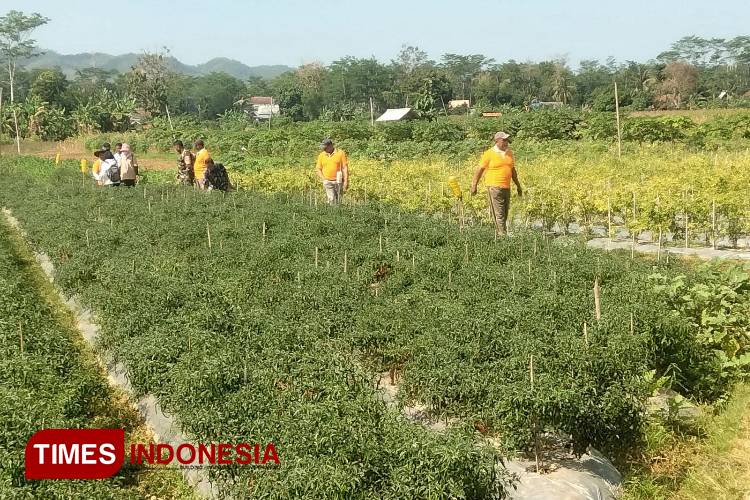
column 50, row 86
column 148, row 82
column 15, row 44
column 680, row 80
column 463, row 69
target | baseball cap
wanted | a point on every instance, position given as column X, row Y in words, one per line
column 501, row 135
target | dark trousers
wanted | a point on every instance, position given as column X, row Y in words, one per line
column 128, row 182
column 499, row 201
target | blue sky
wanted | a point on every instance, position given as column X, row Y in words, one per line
column 295, row 31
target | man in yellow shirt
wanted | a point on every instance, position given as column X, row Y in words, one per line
column 199, row 167
column 332, row 168
column 497, row 162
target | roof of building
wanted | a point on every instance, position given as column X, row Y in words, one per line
column 393, row 115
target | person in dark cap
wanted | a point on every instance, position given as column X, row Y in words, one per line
column 332, row 168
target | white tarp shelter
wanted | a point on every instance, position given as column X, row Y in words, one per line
column 394, row 115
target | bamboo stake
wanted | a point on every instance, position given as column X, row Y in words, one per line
column 208, row 235
column 316, row 256
column 413, row 262
column 264, row 231
column 713, row 222
column 534, row 426
column 398, row 256
column 619, row 133
column 20, row 334
column 345, row 262
column 609, row 219
column 586, row 333
column 632, row 325
column 658, row 248
column 529, row 270
column 597, row 300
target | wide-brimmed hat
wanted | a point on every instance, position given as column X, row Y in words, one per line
column 501, row 135
column 100, row 151
column 125, row 148
column 325, row 143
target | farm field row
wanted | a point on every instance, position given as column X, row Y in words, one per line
column 650, row 189
column 265, row 315
column 48, row 379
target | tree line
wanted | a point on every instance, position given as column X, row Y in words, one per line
column 693, row 72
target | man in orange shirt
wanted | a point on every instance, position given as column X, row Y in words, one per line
column 332, row 168
column 497, row 162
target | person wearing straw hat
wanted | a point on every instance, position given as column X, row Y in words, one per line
column 498, row 165
column 332, row 168
column 128, row 166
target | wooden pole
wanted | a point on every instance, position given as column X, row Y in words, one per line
column 619, row 133
column 372, row 114
column 586, row 333
column 632, row 325
column 316, row 256
column 713, row 222
column 609, row 219
column 345, row 262
column 169, row 117
column 658, row 248
column 264, row 231
column 208, row 235
column 597, row 300
column 535, row 426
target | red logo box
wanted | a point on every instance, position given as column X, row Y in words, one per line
column 75, row 453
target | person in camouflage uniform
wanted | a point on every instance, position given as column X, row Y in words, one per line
column 185, row 161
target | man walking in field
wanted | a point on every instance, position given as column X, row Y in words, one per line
column 201, row 160
column 185, row 161
column 332, row 168
column 497, row 162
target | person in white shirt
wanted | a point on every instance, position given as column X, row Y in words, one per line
column 116, row 154
column 109, row 171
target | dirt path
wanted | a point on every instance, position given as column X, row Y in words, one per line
column 74, row 149
column 651, row 248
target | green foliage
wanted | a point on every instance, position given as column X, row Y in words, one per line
column 717, row 302
column 660, row 129
column 46, row 381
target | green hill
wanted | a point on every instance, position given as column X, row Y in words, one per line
column 69, row 63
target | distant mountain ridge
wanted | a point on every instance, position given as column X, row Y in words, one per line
column 69, row 63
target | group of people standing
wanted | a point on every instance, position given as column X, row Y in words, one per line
column 115, row 169
column 496, row 165
column 198, row 169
